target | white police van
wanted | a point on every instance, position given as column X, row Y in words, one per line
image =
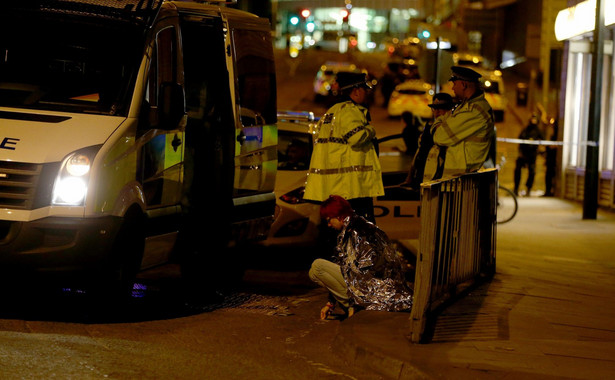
column 130, row 127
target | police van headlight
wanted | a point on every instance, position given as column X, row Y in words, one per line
column 71, row 184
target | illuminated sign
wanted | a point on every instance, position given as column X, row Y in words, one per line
column 581, row 18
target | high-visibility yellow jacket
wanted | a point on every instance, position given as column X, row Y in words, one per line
column 344, row 161
column 468, row 133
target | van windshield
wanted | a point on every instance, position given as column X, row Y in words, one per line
column 72, row 64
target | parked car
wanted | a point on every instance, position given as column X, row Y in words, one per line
column 297, row 220
column 395, row 73
column 471, row 60
column 413, row 95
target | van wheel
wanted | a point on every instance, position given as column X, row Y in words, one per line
column 127, row 254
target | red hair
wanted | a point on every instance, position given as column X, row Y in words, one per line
column 334, row 207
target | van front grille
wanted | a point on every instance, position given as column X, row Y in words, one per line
column 18, row 184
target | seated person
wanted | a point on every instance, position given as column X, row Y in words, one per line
column 369, row 272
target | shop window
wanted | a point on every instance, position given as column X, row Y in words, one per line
column 577, row 108
column 607, row 138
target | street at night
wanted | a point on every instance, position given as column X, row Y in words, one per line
column 267, row 325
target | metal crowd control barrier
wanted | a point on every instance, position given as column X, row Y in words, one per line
column 457, row 242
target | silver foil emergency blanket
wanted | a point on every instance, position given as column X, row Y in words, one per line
column 372, row 268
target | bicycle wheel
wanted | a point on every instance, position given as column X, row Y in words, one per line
column 507, row 205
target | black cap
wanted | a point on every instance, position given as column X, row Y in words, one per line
column 464, row 73
column 346, row 80
column 445, row 101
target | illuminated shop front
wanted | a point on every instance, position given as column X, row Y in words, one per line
column 345, row 24
column 575, row 25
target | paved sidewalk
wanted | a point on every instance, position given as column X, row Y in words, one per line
column 549, row 311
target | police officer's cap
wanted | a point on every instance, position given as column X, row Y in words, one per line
column 464, row 73
column 444, row 101
column 346, row 80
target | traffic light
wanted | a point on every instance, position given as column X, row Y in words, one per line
column 305, row 13
column 345, row 13
column 423, row 31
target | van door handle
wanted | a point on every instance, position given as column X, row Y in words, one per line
column 241, row 138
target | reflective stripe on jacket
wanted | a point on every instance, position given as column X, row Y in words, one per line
column 344, row 161
column 468, row 133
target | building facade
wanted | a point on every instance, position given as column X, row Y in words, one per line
column 575, row 26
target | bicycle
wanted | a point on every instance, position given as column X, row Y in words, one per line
column 507, row 204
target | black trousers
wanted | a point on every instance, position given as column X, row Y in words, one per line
column 531, row 168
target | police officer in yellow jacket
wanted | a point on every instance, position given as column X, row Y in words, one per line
column 468, row 132
column 344, row 161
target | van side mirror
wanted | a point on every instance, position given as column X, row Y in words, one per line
column 171, row 105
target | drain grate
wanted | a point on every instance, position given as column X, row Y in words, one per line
column 461, row 327
column 255, row 303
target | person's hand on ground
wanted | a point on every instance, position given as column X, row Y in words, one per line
column 326, row 311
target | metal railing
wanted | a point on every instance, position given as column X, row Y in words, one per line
column 457, row 242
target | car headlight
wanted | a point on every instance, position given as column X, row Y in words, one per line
column 71, row 185
column 294, row 197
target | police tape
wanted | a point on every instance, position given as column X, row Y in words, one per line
column 545, row 142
